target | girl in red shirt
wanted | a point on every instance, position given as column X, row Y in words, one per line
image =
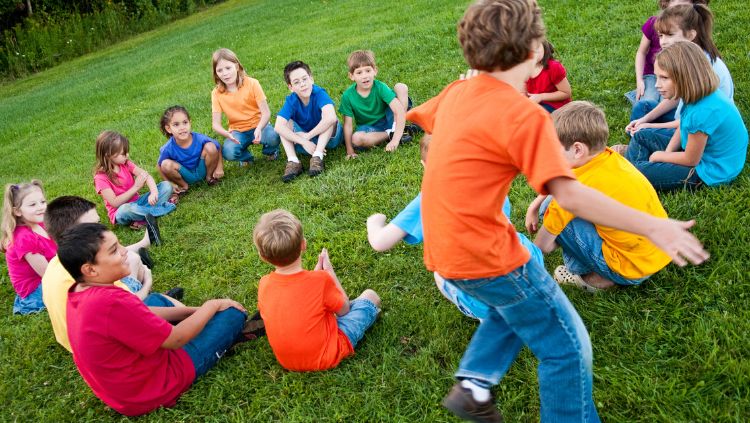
column 548, row 85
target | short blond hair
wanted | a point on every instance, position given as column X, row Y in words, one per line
column 360, row 58
column 278, row 237
column 689, row 69
column 581, row 121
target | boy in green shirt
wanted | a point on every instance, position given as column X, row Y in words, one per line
column 373, row 106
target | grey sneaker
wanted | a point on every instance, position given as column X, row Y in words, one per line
column 316, row 166
column 461, row 403
column 292, row 170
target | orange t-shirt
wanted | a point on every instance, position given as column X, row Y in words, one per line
column 299, row 314
column 241, row 106
column 484, row 133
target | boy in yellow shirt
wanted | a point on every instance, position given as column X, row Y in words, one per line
column 596, row 257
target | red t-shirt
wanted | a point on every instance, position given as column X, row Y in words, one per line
column 116, row 342
column 299, row 314
column 484, row 133
column 546, row 82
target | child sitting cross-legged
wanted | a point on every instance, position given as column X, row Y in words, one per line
column 309, row 320
column 132, row 357
column 596, row 256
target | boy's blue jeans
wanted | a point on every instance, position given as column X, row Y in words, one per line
column 528, row 308
column 333, row 142
column 232, row 151
column 663, row 176
column 138, row 209
column 214, row 340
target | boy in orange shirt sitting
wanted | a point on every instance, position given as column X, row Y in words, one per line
column 484, row 133
column 309, row 321
column 596, row 257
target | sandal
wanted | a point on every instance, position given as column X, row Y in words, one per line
column 254, row 327
column 563, row 276
column 138, row 225
column 176, row 195
column 212, row 181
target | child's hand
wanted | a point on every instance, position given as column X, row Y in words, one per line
column 351, row 155
column 392, row 146
column 672, row 237
column 377, row 220
column 656, row 156
column 324, row 262
column 640, row 88
column 309, row 146
column 225, row 303
column 140, row 180
column 532, row 220
column 258, row 135
column 635, row 126
column 536, row 98
column 153, row 198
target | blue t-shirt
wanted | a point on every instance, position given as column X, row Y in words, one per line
column 410, row 221
column 306, row 117
column 188, row 157
column 726, row 148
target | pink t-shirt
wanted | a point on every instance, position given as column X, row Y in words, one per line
column 125, row 181
column 23, row 277
column 546, row 82
column 116, row 342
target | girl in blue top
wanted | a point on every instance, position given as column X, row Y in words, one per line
column 710, row 145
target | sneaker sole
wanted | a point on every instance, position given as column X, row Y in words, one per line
column 152, row 229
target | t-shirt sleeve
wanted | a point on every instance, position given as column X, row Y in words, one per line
column 205, row 139
column 101, row 182
column 130, row 166
column 345, row 107
column 215, row 105
column 648, row 29
column 556, row 218
column 386, row 93
column 410, row 221
column 424, row 114
column 25, row 242
column 535, row 150
column 287, row 110
column 557, row 72
column 257, row 90
column 323, row 99
column 134, row 325
column 332, row 298
column 706, row 120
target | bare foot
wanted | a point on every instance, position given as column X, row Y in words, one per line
column 598, row 281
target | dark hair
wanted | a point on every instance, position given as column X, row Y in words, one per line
column 499, row 34
column 549, row 53
column 291, row 67
column 168, row 115
column 63, row 212
column 78, row 245
column 696, row 17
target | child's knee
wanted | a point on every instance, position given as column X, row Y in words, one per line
column 358, row 138
column 168, row 166
column 209, row 150
column 230, row 151
column 400, row 87
column 372, row 296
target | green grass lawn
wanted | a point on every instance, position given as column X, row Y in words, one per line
column 675, row 349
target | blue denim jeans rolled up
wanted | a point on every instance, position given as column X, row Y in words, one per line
column 214, row 340
column 362, row 314
column 138, row 209
column 663, row 176
column 232, row 151
column 527, row 307
column 650, row 93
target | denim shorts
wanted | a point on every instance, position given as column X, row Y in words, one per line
column 362, row 314
column 31, row 304
column 386, row 122
column 196, row 175
column 156, row 299
column 333, row 142
column 214, row 340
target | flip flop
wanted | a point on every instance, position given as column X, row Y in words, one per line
column 563, row 276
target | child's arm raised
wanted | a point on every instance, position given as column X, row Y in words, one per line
column 37, row 262
column 189, row 328
column 324, row 263
column 671, row 236
column 117, row 200
column 219, row 129
column 696, row 144
column 383, row 237
column 640, row 62
column 348, row 131
column 399, row 116
column 153, row 195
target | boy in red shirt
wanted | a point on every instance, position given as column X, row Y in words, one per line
column 484, row 133
column 309, row 321
column 133, row 359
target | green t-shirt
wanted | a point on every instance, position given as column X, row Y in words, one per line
column 370, row 109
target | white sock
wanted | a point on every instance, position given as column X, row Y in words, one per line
column 318, row 154
column 294, row 160
column 480, row 394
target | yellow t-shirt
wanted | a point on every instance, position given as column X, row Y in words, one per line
column 241, row 106
column 632, row 256
column 55, row 285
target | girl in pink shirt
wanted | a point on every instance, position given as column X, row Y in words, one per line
column 26, row 245
column 118, row 180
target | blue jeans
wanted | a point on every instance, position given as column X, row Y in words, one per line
column 642, row 107
column 663, row 176
column 650, row 92
column 156, row 299
column 333, row 142
column 582, row 250
column 362, row 314
column 527, row 307
column 548, row 107
column 138, row 209
column 193, row 176
column 232, row 151
column 31, row 304
column 214, row 340
column 386, row 122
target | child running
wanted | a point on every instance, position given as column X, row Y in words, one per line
column 549, row 85
column 710, row 145
column 243, row 101
column 596, row 257
column 117, row 180
column 485, row 132
column 131, row 357
column 27, row 246
column 378, row 111
column 188, row 157
column 309, row 320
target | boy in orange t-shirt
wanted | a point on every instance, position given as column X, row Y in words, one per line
column 484, row 133
column 309, row 321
